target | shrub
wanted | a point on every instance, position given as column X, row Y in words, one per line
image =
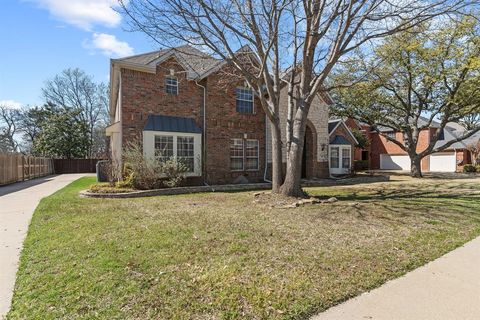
column 361, row 164
column 173, row 171
column 148, row 173
column 477, row 168
column 469, row 168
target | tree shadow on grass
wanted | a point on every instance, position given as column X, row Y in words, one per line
column 399, row 205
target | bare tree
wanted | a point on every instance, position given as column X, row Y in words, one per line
column 9, row 127
column 309, row 36
column 72, row 89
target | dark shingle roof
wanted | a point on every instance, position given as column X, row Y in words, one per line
column 340, row 140
column 199, row 62
column 171, row 124
column 450, row 135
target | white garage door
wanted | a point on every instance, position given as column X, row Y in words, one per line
column 443, row 162
column 390, row 162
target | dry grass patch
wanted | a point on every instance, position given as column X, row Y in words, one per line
column 224, row 256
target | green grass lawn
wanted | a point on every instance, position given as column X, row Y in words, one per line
column 222, row 256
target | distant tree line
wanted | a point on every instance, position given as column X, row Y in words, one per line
column 71, row 123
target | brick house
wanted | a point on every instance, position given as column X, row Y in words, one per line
column 177, row 102
column 385, row 155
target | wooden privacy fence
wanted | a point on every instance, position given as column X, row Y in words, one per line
column 75, row 165
column 16, row 167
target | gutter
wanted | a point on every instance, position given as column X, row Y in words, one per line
column 204, row 153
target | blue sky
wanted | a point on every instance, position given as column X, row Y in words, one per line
column 43, row 37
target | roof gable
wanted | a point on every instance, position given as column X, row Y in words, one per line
column 333, row 126
column 194, row 61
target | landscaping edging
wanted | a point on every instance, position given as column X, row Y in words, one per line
column 178, row 190
column 229, row 187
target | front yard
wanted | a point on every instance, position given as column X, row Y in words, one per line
column 224, row 256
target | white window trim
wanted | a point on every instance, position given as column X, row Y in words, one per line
column 237, row 157
column 257, row 157
column 149, row 147
column 193, row 156
column 169, row 85
column 340, row 169
column 252, row 101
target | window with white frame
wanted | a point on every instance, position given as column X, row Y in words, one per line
column 171, row 85
column 251, row 155
column 334, row 157
column 244, row 154
column 163, row 147
column 236, row 155
column 185, row 152
column 244, row 98
column 345, row 158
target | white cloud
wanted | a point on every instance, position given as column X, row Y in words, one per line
column 83, row 13
column 11, row 104
column 109, row 45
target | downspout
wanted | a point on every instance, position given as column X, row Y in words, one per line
column 456, row 165
column 266, row 152
column 204, row 153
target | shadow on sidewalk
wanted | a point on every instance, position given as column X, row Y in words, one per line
column 17, row 186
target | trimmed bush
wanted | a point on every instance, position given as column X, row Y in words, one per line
column 469, row 168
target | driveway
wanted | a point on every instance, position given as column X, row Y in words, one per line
column 17, row 203
column 445, row 289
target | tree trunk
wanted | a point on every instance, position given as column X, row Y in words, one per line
column 416, row 166
column 277, row 170
column 292, row 184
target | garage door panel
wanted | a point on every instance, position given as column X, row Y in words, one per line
column 394, row 162
column 443, row 162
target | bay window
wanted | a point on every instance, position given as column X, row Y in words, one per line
column 185, row 152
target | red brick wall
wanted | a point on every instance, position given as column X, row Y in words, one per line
column 225, row 123
column 379, row 145
column 144, row 94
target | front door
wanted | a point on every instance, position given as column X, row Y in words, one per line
column 340, row 159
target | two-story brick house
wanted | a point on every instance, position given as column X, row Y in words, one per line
column 179, row 102
column 386, row 155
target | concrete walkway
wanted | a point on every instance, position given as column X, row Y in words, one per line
column 445, row 289
column 17, row 203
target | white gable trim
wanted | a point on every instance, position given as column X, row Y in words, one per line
column 341, row 122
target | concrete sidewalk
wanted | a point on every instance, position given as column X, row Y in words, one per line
column 17, row 203
column 446, row 288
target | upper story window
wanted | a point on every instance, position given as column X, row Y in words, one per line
column 391, row 134
column 244, row 100
column 171, row 85
column 441, row 135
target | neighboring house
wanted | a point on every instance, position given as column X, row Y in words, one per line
column 182, row 102
column 342, row 145
column 386, row 155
